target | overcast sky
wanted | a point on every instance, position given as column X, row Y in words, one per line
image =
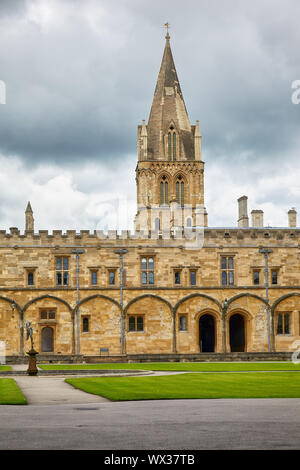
column 80, row 77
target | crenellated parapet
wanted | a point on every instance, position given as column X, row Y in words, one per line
column 211, row 236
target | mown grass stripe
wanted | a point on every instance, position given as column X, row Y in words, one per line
column 251, row 385
column 179, row 366
column 10, row 394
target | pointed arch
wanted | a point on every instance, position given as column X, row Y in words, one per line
column 47, row 296
column 164, row 188
column 180, row 186
column 191, row 296
column 12, row 302
column 171, row 140
column 238, row 296
column 97, row 296
column 157, row 297
column 283, row 297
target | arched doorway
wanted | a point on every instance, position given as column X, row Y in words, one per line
column 237, row 333
column 207, row 333
column 47, row 339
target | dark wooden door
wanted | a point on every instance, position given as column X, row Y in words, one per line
column 207, row 333
column 47, row 339
column 237, row 333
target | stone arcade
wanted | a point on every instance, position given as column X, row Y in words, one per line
column 177, row 302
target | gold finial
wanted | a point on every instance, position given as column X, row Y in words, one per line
column 167, row 26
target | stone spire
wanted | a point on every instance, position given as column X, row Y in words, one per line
column 168, row 111
column 29, row 220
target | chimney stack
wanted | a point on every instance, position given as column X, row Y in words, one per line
column 243, row 220
column 257, row 218
column 292, row 216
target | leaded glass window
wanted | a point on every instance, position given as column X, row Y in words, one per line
column 147, row 267
column 182, row 323
column 227, row 267
column 283, row 324
column 62, row 271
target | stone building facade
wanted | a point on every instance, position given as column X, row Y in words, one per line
column 179, row 287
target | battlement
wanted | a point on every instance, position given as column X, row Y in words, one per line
column 210, row 235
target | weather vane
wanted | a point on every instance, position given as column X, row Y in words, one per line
column 167, row 26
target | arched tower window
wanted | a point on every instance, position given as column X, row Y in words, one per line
column 180, row 191
column 164, row 191
column 172, row 144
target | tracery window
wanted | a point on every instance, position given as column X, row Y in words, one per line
column 164, row 191
column 172, row 144
column 180, row 191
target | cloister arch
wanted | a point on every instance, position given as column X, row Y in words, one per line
column 285, row 313
column 251, row 328
column 149, row 325
column 96, row 296
column 194, row 306
column 11, row 332
column 99, row 325
column 191, row 296
column 51, row 312
column 132, row 301
column 47, row 296
column 246, row 294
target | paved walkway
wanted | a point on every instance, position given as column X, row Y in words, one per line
column 41, row 390
column 53, row 391
column 168, row 424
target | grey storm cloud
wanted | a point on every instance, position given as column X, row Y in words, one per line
column 80, row 77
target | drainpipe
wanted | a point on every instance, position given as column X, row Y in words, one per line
column 77, row 252
column 266, row 252
column 121, row 253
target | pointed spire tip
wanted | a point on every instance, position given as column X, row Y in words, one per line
column 28, row 208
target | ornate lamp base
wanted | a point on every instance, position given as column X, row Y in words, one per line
column 32, row 369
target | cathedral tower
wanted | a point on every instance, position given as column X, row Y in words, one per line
column 170, row 170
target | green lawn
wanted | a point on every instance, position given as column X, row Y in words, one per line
column 182, row 366
column 4, row 368
column 230, row 385
column 10, row 394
